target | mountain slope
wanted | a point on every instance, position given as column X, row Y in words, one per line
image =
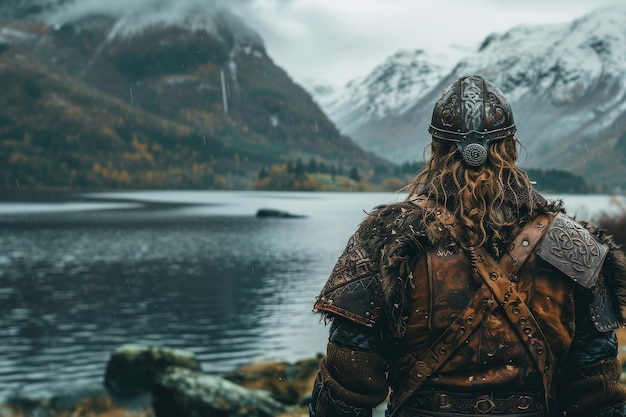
column 566, row 86
column 200, row 72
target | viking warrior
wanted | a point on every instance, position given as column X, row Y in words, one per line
column 475, row 295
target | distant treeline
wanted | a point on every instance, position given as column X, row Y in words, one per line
column 557, row 181
column 314, row 175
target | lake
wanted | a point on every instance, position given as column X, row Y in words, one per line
column 83, row 273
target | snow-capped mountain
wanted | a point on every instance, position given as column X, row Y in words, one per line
column 389, row 90
column 565, row 82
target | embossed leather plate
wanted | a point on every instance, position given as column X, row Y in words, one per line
column 570, row 248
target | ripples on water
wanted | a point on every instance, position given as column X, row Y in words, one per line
column 189, row 270
column 196, row 271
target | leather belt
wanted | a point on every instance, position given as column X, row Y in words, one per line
column 450, row 404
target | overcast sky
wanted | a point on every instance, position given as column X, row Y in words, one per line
column 338, row 40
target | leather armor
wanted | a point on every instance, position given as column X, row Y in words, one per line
column 492, row 359
column 566, row 260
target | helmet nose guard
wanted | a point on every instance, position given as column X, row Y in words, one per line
column 472, row 112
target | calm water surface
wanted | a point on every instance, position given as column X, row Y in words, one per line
column 192, row 270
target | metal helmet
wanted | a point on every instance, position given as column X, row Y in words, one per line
column 472, row 112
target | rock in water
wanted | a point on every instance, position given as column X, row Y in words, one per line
column 133, row 369
column 265, row 212
column 187, row 393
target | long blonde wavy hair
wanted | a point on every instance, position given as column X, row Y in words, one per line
column 479, row 192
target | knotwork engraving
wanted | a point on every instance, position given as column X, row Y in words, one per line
column 573, row 244
column 573, row 250
column 472, row 98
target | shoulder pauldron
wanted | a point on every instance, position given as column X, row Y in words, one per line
column 577, row 253
column 353, row 288
column 573, row 250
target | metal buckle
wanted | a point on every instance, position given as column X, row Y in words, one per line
column 442, row 401
column 524, row 402
column 484, row 404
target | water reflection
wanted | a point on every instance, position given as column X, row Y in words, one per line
column 205, row 276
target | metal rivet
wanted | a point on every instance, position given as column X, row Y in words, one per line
column 540, row 225
column 527, row 330
column 493, row 276
column 516, row 310
column 367, row 314
column 514, row 261
column 461, row 330
column 469, row 320
column 525, row 243
column 442, row 350
column 539, row 350
column 522, row 320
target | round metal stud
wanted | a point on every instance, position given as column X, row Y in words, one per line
column 475, row 154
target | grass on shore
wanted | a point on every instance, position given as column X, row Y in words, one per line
column 101, row 406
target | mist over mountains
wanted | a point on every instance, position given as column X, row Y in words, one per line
column 161, row 93
column 150, row 93
column 565, row 82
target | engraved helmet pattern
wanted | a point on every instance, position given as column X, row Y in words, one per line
column 472, row 112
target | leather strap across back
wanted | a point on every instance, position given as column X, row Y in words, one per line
column 496, row 278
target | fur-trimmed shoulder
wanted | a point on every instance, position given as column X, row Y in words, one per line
column 397, row 234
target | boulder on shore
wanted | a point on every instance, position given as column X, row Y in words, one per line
column 185, row 393
column 178, row 387
column 133, row 369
